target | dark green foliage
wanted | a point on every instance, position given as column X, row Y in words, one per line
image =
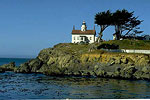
column 130, row 44
column 103, row 19
column 108, row 46
column 132, row 28
column 120, row 17
column 125, row 23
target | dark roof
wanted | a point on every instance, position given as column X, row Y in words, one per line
column 83, row 32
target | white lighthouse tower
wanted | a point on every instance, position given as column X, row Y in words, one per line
column 83, row 27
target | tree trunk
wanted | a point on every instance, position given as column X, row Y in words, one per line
column 117, row 31
column 99, row 38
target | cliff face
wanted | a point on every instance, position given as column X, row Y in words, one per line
column 79, row 60
column 118, row 58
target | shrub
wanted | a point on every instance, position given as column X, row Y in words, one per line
column 108, row 46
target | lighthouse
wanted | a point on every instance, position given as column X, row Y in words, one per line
column 83, row 35
column 83, row 27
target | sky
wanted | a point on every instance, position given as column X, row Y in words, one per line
column 28, row 26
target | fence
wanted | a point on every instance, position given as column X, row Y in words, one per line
column 128, row 51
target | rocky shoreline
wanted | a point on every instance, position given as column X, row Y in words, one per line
column 67, row 59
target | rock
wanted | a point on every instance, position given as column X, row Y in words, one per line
column 43, row 68
column 51, row 60
column 124, row 60
column 109, row 74
column 138, row 75
column 2, row 70
column 73, row 59
column 23, row 68
column 116, row 74
column 118, row 60
column 85, row 59
column 87, row 73
column 45, row 54
column 143, row 61
column 128, row 72
column 112, row 63
column 53, row 70
column 96, row 67
column 35, row 65
column 100, row 73
column 31, row 66
column 145, row 76
column 117, row 68
column 130, row 61
column 8, row 67
column 77, row 73
column 146, row 70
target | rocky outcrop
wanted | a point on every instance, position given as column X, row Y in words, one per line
column 77, row 60
column 31, row 66
column 8, row 67
column 2, row 70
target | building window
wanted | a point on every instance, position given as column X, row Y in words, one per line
column 77, row 38
column 90, row 38
column 81, row 38
column 74, row 38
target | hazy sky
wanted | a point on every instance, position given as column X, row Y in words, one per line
column 27, row 26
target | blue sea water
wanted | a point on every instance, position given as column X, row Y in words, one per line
column 18, row 61
column 39, row 86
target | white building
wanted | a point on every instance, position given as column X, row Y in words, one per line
column 147, row 37
column 83, row 35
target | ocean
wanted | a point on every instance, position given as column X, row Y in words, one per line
column 39, row 86
column 18, row 61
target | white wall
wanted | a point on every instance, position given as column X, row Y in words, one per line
column 78, row 39
column 96, row 38
column 136, row 51
column 147, row 37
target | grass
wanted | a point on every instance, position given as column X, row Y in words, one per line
column 79, row 49
column 130, row 44
column 72, row 48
